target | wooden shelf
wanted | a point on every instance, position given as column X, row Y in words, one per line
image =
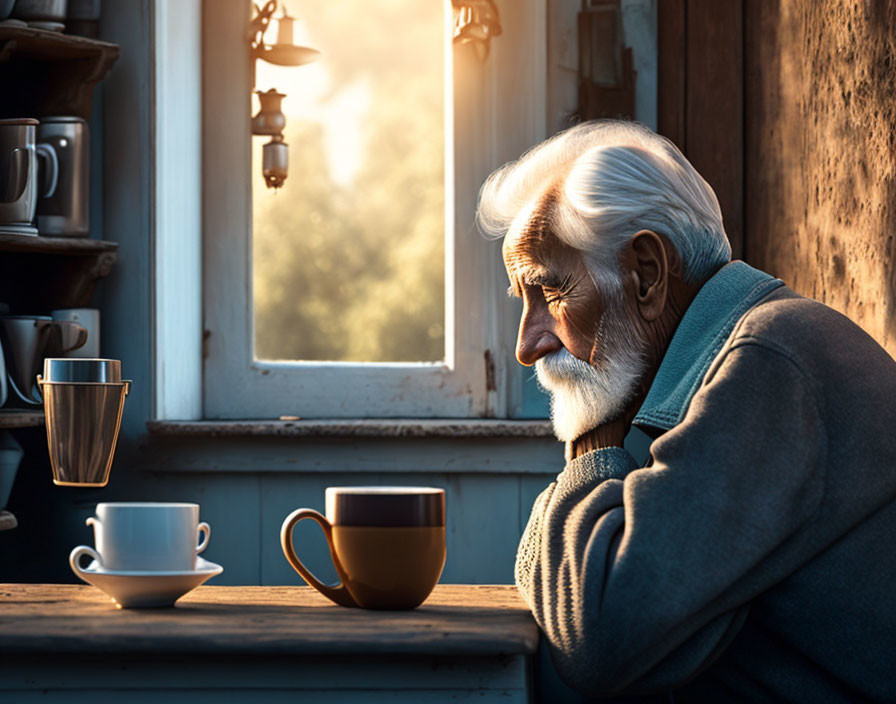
column 41, row 74
column 50, row 73
column 46, row 273
column 20, row 418
column 74, row 246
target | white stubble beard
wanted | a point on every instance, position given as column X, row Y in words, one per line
column 584, row 396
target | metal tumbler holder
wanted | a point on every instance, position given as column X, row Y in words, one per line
column 83, row 403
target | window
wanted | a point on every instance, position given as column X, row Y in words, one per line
column 494, row 110
column 361, row 222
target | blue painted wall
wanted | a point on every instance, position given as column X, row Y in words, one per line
column 487, row 511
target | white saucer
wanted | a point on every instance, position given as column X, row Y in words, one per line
column 143, row 590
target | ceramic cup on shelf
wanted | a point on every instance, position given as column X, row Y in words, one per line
column 144, row 537
column 27, row 340
column 82, row 17
column 41, row 14
column 87, row 318
column 387, row 544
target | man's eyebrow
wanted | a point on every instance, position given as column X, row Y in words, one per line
column 543, row 278
column 533, row 276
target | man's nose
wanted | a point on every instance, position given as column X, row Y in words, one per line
column 536, row 336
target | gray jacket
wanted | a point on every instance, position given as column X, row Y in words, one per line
column 754, row 558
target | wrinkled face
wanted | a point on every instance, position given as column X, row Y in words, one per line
column 561, row 304
column 584, row 348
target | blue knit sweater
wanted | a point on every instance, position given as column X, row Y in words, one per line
column 754, row 558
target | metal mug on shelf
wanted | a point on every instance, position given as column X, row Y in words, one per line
column 19, row 187
column 65, row 213
column 83, row 403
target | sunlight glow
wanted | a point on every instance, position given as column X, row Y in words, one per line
column 349, row 256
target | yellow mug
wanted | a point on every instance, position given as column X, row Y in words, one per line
column 387, row 544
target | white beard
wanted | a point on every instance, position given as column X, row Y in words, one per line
column 584, row 396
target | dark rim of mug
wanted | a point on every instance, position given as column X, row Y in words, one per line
column 388, row 507
column 20, row 121
column 146, row 504
column 84, row 369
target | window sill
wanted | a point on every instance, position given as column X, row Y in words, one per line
column 361, row 428
column 404, row 446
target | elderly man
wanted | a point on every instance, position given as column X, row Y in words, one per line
column 753, row 557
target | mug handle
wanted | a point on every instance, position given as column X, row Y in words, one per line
column 26, row 398
column 203, row 527
column 46, row 151
column 337, row 592
column 58, row 327
column 74, row 559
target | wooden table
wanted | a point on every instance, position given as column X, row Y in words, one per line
column 269, row 644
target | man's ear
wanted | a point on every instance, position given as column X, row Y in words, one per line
column 648, row 268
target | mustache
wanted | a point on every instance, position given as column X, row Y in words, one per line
column 562, row 367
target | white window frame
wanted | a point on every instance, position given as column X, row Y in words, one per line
column 177, row 210
column 499, row 111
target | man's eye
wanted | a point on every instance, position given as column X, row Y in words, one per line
column 553, row 297
column 556, row 294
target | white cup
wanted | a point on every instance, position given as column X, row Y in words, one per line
column 87, row 318
column 144, row 537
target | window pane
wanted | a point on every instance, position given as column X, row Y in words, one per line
column 348, row 257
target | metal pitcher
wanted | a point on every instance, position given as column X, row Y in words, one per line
column 83, row 403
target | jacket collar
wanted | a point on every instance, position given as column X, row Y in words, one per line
column 703, row 330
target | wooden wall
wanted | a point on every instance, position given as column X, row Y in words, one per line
column 700, row 96
column 487, row 512
column 820, row 197
column 788, row 109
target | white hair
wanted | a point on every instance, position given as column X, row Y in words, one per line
column 611, row 178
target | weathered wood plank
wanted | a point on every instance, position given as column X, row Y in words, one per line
column 482, row 533
column 472, row 455
column 671, row 70
column 298, row 695
column 280, row 496
column 455, row 620
column 68, row 246
column 266, row 672
column 714, row 110
column 16, row 418
column 366, row 428
column 287, row 696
